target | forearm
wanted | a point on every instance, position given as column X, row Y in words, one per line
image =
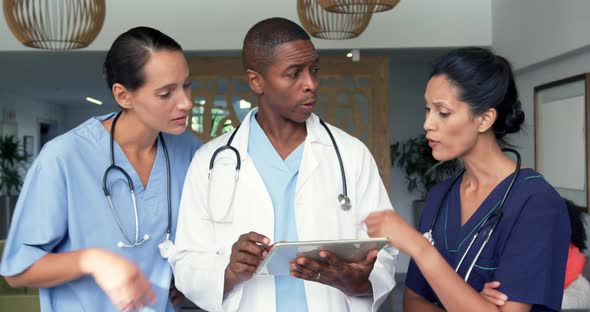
column 55, row 269
column 230, row 281
column 450, row 288
column 414, row 302
column 360, row 289
column 381, row 282
column 200, row 276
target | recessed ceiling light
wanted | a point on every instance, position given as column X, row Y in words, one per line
column 95, row 101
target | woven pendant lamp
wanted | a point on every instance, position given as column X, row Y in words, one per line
column 327, row 25
column 358, row 6
column 55, row 24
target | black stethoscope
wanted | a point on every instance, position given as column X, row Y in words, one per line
column 343, row 198
column 495, row 215
column 165, row 246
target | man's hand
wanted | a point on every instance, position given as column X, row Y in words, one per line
column 350, row 278
column 246, row 254
column 176, row 297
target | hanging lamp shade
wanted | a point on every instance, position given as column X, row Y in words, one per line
column 55, row 24
column 357, row 6
column 328, row 25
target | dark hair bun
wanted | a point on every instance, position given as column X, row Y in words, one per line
column 510, row 115
column 514, row 119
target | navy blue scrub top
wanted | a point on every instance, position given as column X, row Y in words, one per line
column 527, row 252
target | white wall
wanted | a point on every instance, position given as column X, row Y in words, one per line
column 545, row 41
column 222, row 24
column 72, row 117
column 526, row 80
column 531, row 31
column 29, row 112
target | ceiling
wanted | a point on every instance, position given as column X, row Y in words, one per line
column 220, row 25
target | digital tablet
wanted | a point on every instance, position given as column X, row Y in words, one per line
column 351, row 250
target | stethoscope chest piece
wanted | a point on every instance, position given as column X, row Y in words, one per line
column 428, row 236
column 344, row 202
column 165, row 248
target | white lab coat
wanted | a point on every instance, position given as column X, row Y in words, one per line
column 203, row 249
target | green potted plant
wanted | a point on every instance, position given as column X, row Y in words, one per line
column 422, row 171
column 12, row 161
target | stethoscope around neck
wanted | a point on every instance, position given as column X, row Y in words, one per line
column 165, row 246
column 343, row 198
column 495, row 216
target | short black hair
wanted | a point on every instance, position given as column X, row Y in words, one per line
column 577, row 224
column 130, row 52
column 484, row 81
column 264, row 37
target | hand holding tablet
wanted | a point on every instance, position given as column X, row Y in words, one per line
column 277, row 262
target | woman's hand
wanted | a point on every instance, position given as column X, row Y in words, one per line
column 351, row 278
column 491, row 294
column 388, row 223
column 120, row 279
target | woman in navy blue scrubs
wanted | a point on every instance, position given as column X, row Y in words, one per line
column 471, row 104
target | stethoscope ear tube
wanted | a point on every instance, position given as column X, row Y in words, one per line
column 428, row 234
column 107, row 194
column 498, row 215
column 343, row 198
column 226, row 219
column 105, row 177
column 168, row 188
column 221, row 149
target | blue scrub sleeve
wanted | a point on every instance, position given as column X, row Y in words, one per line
column 531, row 268
column 40, row 219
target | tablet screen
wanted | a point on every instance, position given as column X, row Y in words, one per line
column 277, row 260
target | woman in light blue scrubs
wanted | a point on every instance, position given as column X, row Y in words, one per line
column 471, row 104
column 84, row 253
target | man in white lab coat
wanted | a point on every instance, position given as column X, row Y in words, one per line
column 288, row 186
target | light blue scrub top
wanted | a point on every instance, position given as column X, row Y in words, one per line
column 62, row 208
column 280, row 179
